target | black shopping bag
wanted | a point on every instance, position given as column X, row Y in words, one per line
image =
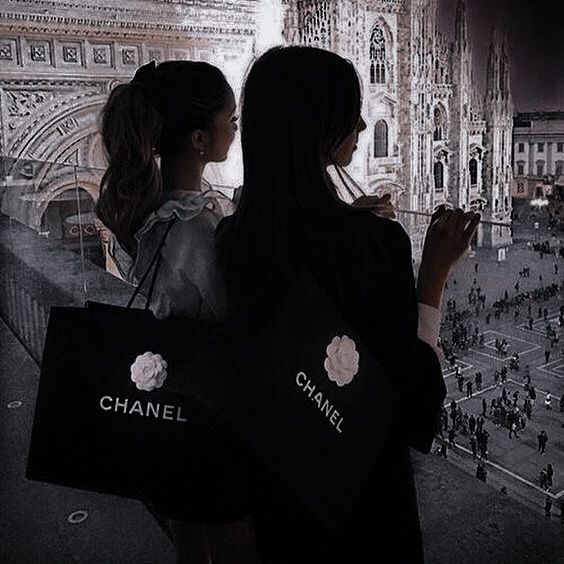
column 95, row 430
column 314, row 403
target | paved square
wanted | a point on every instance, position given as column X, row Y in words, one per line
column 516, row 461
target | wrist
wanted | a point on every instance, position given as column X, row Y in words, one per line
column 430, row 289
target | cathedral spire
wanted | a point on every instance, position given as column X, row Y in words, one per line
column 498, row 87
column 461, row 27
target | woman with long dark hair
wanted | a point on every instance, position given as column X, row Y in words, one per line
column 160, row 130
column 302, row 114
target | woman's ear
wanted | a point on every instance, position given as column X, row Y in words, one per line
column 198, row 140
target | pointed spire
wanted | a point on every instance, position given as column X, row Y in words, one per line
column 461, row 27
column 498, row 69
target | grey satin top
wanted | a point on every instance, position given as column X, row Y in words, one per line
column 188, row 281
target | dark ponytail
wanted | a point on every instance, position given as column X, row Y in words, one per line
column 149, row 116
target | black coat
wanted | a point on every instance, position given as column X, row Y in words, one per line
column 364, row 264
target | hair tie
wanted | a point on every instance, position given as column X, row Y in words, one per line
column 146, row 78
column 145, row 75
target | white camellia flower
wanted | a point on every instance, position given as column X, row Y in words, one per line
column 342, row 359
column 148, row 371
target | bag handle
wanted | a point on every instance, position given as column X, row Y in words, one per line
column 156, row 258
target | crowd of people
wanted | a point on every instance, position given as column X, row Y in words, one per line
column 464, row 328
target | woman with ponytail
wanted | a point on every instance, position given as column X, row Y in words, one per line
column 160, row 130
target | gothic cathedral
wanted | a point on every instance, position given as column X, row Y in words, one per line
column 432, row 137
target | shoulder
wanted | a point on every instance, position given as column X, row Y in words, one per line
column 369, row 233
column 195, row 230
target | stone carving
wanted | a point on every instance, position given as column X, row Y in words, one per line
column 24, row 102
column 38, row 52
column 6, row 52
column 129, row 56
column 65, row 127
column 100, row 55
column 70, row 53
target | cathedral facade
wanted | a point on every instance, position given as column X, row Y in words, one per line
column 432, row 137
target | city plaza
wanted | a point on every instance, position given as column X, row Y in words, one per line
column 512, row 462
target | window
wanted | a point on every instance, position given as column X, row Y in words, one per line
column 473, row 166
column 520, row 187
column 381, row 139
column 438, row 173
column 540, row 147
column 439, row 124
column 540, row 169
column 558, row 168
column 521, row 147
column 559, row 147
column 377, row 56
column 520, row 169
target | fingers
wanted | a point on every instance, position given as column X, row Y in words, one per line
column 438, row 213
column 472, row 225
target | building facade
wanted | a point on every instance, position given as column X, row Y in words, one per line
column 432, row 137
column 538, row 154
column 58, row 62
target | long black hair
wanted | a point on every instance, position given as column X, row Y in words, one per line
column 299, row 104
column 150, row 116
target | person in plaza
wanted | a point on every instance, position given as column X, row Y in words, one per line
column 546, row 355
column 549, row 475
column 472, row 423
column 543, row 479
column 478, row 380
column 460, row 382
column 160, row 130
column 302, row 114
column 515, row 398
column 548, row 400
column 542, row 439
column 484, row 407
column 443, row 451
column 469, row 389
column 473, row 445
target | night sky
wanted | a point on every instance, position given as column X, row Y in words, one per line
column 536, row 42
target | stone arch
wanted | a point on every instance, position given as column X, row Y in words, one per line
column 58, row 126
column 59, row 185
column 381, row 139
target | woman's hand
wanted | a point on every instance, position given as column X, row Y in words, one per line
column 446, row 242
column 379, row 205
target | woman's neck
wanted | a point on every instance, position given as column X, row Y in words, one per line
column 182, row 174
